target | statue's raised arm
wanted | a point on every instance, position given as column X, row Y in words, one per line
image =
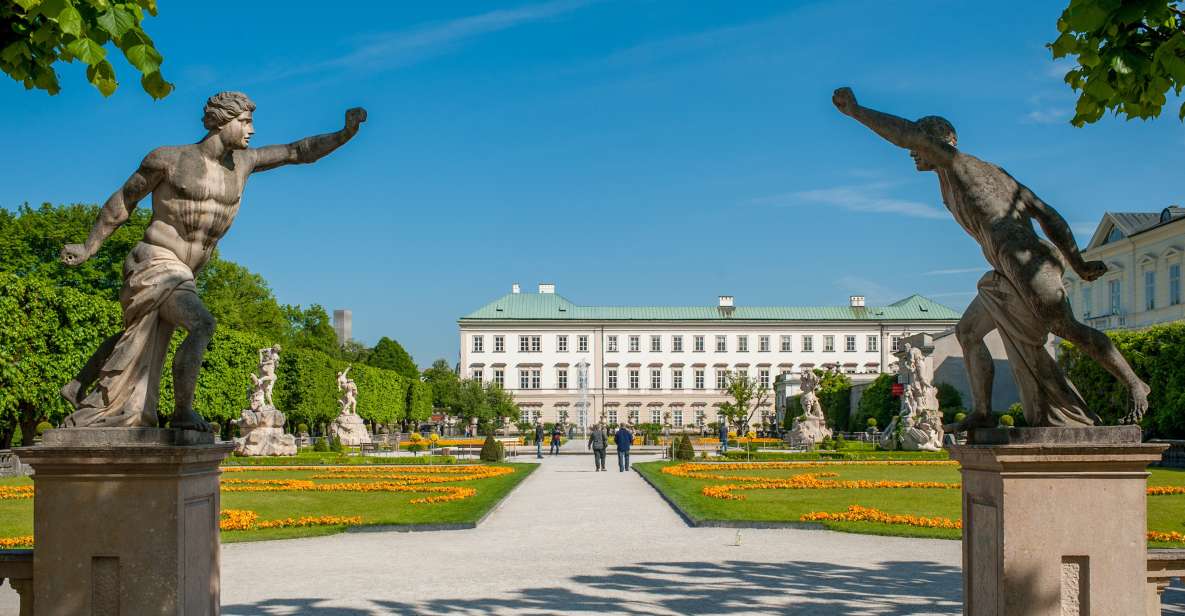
column 918, row 137
column 309, row 149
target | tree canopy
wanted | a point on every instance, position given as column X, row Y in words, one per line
column 36, row 34
column 1128, row 55
column 391, row 355
column 242, row 300
column 747, row 397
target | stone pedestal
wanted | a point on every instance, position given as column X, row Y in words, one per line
column 349, row 429
column 126, row 521
column 1055, row 521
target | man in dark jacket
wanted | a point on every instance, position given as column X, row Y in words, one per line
column 723, row 435
column 623, row 439
column 598, row 442
column 538, row 439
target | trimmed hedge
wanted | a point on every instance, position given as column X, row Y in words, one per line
column 492, row 450
column 1157, row 355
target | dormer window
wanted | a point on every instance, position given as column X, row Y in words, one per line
column 1114, row 235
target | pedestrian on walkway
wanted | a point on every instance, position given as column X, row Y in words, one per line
column 623, row 439
column 723, row 435
column 556, row 436
column 598, row 442
column 538, row 439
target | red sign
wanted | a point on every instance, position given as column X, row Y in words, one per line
column 898, row 389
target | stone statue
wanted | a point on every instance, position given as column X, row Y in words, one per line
column 262, row 425
column 919, row 426
column 196, row 190
column 1022, row 296
column 811, row 427
column 348, row 427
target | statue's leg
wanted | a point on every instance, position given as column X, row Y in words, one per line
column 975, row 324
column 76, row 390
column 184, row 309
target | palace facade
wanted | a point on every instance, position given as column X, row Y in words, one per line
column 655, row 364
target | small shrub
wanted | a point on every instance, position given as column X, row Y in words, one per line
column 302, row 428
column 415, row 443
column 872, row 422
column 43, row 426
column 1006, row 421
column 827, row 443
column 336, row 446
column 960, row 416
column 683, row 449
column 321, row 445
column 491, row 450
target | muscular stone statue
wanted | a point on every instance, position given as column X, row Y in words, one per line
column 195, row 196
column 348, row 426
column 1022, row 296
column 349, row 400
column 268, row 359
column 811, row 427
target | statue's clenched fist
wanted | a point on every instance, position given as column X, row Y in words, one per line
column 844, row 100
column 354, row 117
column 74, row 254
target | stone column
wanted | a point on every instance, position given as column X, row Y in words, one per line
column 1055, row 521
column 126, row 521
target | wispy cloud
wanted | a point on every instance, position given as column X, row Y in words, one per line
column 952, row 293
column 956, row 270
column 1085, row 228
column 1049, row 115
column 404, row 47
column 857, row 198
column 874, row 291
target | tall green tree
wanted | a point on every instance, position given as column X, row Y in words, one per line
column 310, row 328
column 747, row 397
column 242, row 300
column 1128, row 53
column 444, row 383
column 835, row 396
column 877, row 402
column 489, row 403
column 390, row 355
column 36, row 34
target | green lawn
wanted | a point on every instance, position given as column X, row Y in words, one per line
column 308, row 457
column 1165, row 513
column 375, row 508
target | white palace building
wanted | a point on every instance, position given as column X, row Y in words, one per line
column 646, row 361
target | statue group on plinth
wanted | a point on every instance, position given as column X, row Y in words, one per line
column 262, row 426
column 348, row 427
column 919, row 425
column 811, row 427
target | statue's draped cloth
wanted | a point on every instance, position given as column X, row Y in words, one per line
column 129, row 381
column 1048, row 397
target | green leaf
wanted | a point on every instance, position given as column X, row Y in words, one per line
column 87, row 50
column 155, row 85
column 27, row 4
column 145, row 58
column 1064, row 45
column 1121, row 67
column 70, row 21
column 102, row 75
column 1086, row 17
column 117, row 22
column 15, row 52
column 1098, row 88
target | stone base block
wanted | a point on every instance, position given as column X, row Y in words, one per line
column 125, row 522
column 1054, row 527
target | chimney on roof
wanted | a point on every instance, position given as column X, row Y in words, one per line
column 726, row 306
column 856, row 301
column 547, row 287
column 514, row 288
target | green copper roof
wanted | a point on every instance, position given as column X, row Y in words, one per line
column 551, row 307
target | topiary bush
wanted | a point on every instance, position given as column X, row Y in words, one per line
column 683, row 449
column 492, row 450
column 1006, row 421
column 872, row 422
column 43, row 426
column 302, row 428
column 321, row 444
column 336, row 446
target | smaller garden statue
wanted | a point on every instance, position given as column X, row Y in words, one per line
column 262, row 425
column 348, row 427
column 919, row 426
column 811, row 427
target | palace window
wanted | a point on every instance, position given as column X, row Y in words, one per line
column 699, row 378
column 872, row 345
column 655, row 415
column 895, row 344
column 561, row 378
column 612, row 378
column 536, row 381
column 499, row 344
column 611, row 344
column 635, row 344
column 524, row 379
column 677, row 344
column 742, row 344
column 499, row 377
column 530, row 344
column 1150, row 290
column 763, row 344
column 479, row 344
column 561, row 344
column 611, row 416
column 788, row 344
column 476, row 374
column 655, row 378
column 536, row 344
column 849, row 344
column 656, row 344
column 678, row 416
column 763, row 377
column 828, row 344
column 677, row 378
column 1116, row 298
column 634, row 379
column 633, row 414
column 721, row 344
column 808, row 344
column 699, row 344
column 1087, row 300
column 700, row 416
column 722, row 378
column 1174, row 284
column 582, row 344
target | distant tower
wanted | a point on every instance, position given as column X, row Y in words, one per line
column 342, row 325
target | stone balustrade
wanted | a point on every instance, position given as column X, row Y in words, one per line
column 16, row 566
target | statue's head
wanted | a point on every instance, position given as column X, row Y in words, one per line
column 229, row 115
column 938, row 128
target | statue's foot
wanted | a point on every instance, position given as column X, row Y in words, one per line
column 189, row 420
column 1139, row 392
column 70, row 391
column 972, row 422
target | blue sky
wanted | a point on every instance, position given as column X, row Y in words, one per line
column 632, row 152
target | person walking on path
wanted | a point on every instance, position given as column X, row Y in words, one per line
column 538, row 439
column 623, row 439
column 556, row 436
column 598, row 442
column 723, row 436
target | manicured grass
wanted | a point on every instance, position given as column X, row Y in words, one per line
column 863, row 452
column 375, row 508
column 309, row 457
column 1165, row 513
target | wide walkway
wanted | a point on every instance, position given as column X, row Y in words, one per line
column 571, row 541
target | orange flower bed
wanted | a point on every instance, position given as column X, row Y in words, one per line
column 856, row 513
column 812, row 481
column 244, row 519
column 1165, row 490
column 8, row 543
column 1171, row 536
column 408, row 480
column 15, row 492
